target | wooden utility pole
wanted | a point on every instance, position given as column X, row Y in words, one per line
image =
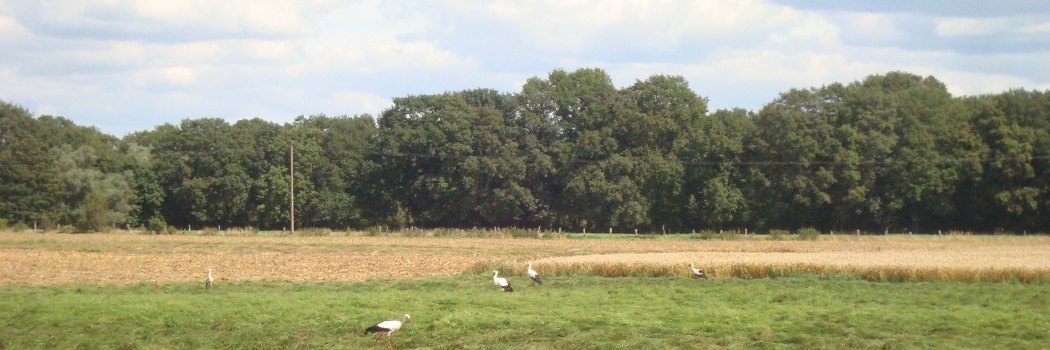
column 291, row 166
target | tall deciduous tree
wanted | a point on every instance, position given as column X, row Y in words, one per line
column 792, row 138
column 28, row 182
column 718, row 177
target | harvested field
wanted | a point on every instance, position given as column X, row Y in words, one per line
column 1000, row 257
column 124, row 258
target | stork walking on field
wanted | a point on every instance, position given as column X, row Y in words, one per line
column 533, row 275
column 387, row 328
column 208, row 281
column 501, row 282
column 698, row 273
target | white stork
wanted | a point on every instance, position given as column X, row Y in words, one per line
column 208, row 280
column 501, row 282
column 387, row 328
column 697, row 272
column 533, row 275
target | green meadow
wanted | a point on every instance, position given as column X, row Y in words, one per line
column 795, row 311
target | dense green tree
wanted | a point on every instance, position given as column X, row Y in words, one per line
column 200, row 168
column 148, row 199
column 591, row 187
column 1011, row 191
column 1031, row 110
column 717, row 173
column 921, row 152
column 344, row 143
column 893, row 151
column 792, row 136
column 652, row 118
column 454, row 160
column 94, row 200
column 28, row 182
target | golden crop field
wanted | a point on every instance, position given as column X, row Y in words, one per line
column 127, row 258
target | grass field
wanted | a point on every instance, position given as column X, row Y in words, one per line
column 582, row 312
column 115, row 291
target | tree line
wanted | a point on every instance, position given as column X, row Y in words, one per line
column 894, row 151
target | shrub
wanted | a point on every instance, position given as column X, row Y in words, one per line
column 730, row 235
column 808, row 234
column 47, row 224
column 84, row 225
column 778, row 235
column 157, row 225
column 3, row 223
column 372, row 231
column 706, row 235
column 19, row 227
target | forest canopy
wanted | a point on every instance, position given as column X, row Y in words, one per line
column 894, row 151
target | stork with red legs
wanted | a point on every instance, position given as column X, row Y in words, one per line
column 501, row 282
column 387, row 328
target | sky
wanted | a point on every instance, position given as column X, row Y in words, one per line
column 132, row 65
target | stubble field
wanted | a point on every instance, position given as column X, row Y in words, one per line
column 125, row 258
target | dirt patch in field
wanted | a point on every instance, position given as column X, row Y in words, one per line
column 123, row 258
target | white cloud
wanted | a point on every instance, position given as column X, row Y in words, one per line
column 375, row 56
column 178, row 20
column 128, row 65
column 170, row 76
column 361, row 101
column 10, row 29
column 578, row 26
column 961, row 83
column 963, row 27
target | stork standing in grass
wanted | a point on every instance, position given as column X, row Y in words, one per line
column 698, row 273
column 501, row 282
column 387, row 328
column 534, row 276
column 208, row 280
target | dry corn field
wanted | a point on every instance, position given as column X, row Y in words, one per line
column 126, row 258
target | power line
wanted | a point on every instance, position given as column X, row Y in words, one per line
column 869, row 162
